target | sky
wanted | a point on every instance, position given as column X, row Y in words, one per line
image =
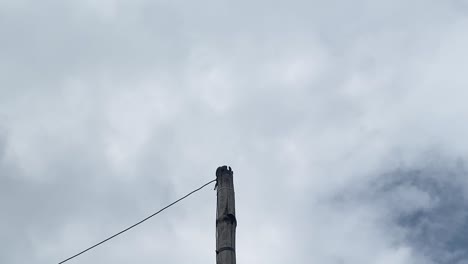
column 343, row 121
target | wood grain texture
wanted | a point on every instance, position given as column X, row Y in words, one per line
column 226, row 222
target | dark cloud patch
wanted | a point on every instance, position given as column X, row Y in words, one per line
column 429, row 205
column 422, row 206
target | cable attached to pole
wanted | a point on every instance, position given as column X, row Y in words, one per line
column 134, row 225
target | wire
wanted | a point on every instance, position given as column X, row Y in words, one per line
column 134, row 225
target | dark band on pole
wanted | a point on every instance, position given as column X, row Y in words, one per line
column 225, row 248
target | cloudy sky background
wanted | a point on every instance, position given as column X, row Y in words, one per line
column 344, row 123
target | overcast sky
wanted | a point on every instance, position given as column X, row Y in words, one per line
column 345, row 123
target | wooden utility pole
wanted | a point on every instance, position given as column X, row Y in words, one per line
column 226, row 222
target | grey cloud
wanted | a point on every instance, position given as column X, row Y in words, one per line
column 438, row 231
column 114, row 108
column 423, row 207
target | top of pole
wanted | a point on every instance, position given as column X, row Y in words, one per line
column 223, row 170
column 224, row 176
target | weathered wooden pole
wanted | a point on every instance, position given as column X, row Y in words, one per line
column 226, row 222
